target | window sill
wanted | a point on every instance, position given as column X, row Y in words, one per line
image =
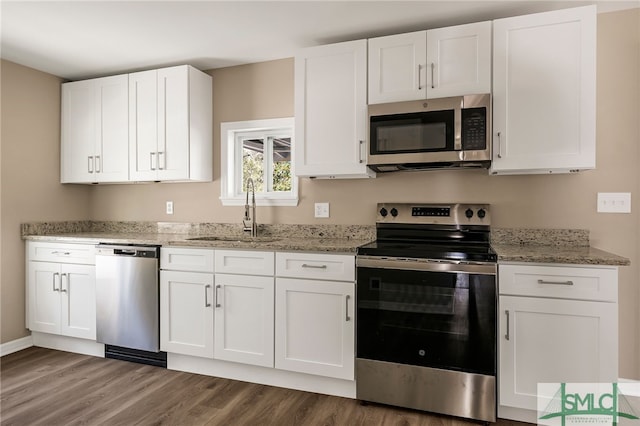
column 273, row 202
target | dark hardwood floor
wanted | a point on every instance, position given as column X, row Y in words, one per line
column 45, row 387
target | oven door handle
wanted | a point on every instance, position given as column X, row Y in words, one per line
column 427, row 265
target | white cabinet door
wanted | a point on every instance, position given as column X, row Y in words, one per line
column 544, row 80
column 173, row 123
column 95, row 140
column 397, row 67
column 315, row 327
column 78, row 301
column 549, row 340
column 143, row 125
column 331, row 111
column 170, row 125
column 459, row 60
column 44, row 297
column 112, row 146
column 244, row 319
column 62, row 299
column 79, row 132
column 186, row 313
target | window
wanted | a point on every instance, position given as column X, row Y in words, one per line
column 260, row 150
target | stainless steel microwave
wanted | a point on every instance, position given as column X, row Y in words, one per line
column 432, row 133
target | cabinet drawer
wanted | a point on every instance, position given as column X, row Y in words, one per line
column 186, row 259
column 244, row 262
column 337, row 267
column 61, row 252
column 563, row 282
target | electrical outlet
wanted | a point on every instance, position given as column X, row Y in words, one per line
column 322, row 210
column 169, row 207
column 614, row 202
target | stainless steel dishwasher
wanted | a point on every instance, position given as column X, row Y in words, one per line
column 128, row 302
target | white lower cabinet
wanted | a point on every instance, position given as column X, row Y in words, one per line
column 553, row 329
column 315, row 327
column 186, row 313
column 61, row 296
column 244, row 319
column 291, row 311
column 315, row 314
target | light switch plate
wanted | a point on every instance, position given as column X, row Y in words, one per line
column 614, row 202
column 169, row 207
column 322, row 210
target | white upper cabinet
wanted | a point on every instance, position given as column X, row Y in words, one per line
column 331, row 111
column 436, row 63
column 95, row 139
column 459, row 60
column 544, row 77
column 170, row 125
column 397, row 67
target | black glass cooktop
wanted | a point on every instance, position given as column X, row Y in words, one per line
column 480, row 252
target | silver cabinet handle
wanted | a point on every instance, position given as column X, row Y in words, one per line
column 206, row 296
column 152, row 158
column 161, row 164
column 419, row 79
column 98, row 165
column 62, row 290
column 306, row 265
column 346, row 303
column 216, row 296
column 568, row 282
column 54, row 281
column 64, row 253
column 360, row 160
column 506, row 336
column 90, row 164
column 499, row 144
column 433, row 75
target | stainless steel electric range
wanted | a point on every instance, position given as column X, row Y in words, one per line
column 426, row 302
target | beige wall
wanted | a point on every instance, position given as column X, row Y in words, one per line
column 30, row 188
column 265, row 90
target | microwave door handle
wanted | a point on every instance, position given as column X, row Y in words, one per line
column 457, row 128
column 360, row 160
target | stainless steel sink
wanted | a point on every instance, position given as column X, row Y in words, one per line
column 235, row 239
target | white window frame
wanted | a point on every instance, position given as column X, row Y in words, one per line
column 231, row 159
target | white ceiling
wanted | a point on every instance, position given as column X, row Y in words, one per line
column 82, row 39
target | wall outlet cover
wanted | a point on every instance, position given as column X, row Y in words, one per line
column 614, row 202
column 322, row 210
column 169, row 207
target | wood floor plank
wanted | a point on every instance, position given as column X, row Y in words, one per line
column 53, row 388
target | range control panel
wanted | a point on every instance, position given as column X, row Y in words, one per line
column 444, row 214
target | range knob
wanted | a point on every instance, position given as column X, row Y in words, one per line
column 394, row 212
column 383, row 212
column 482, row 213
column 468, row 213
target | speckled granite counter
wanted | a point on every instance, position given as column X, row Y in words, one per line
column 310, row 238
column 566, row 246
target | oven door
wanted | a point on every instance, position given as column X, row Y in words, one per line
column 429, row 314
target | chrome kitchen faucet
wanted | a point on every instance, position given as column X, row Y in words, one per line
column 253, row 228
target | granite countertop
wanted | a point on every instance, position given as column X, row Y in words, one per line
column 562, row 246
column 567, row 246
column 343, row 245
column 580, row 255
column 334, row 244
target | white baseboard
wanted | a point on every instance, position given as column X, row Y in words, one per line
column 16, row 345
column 68, row 344
column 262, row 375
column 629, row 387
